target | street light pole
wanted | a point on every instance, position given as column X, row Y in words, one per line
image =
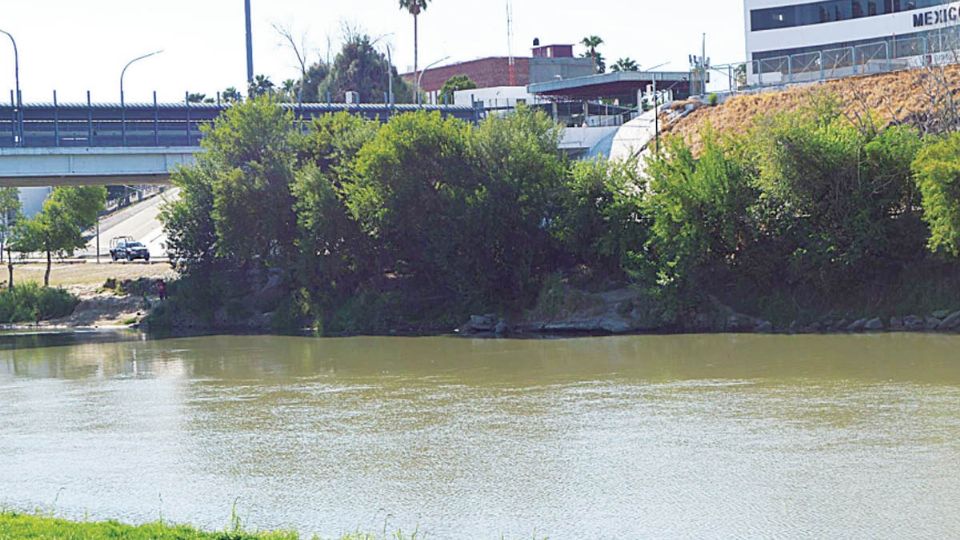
column 123, row 109
column 656, row 105
column 420, row 77
column 249, row 29
column 16, row 77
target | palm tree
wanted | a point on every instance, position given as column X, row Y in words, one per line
column 625, row 64
column 290, row 89
column 262, row 85
column 415, row 7
column 591, row 43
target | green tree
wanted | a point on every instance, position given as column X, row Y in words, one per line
column 410, row 194
column 937, row 170
column 603, row 222
column 9, row 215
column 361, row 68
column 316, row 74
column 592, row 43
column 415, row 7
column 231, row 95
column 199, row 98
column 454, row 84
column 625, row 64
column 335, row 254
column 59, row 227
column 261, row 86
column 700, row 211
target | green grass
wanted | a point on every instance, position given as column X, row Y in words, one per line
column 29, row 526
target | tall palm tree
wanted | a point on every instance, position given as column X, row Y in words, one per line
column 591, row 43
column 625, row 64
column 415, row 7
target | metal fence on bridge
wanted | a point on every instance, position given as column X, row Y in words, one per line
column 41, row 125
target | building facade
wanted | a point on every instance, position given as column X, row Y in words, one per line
column 797, row 41
column 549, row 62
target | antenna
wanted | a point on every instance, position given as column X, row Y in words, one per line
column 511, row 62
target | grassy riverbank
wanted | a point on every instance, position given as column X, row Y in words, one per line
column 26, row 526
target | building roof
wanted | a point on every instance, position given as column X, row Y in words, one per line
column 608, row 84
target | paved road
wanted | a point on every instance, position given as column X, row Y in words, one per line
column 140, row 221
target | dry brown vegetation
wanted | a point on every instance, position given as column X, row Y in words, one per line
column 927, row 98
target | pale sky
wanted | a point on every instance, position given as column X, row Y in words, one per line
column 78, row 45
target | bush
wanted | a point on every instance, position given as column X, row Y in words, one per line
column 32, row 303
column 937, row 170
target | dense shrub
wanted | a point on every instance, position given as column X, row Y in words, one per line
column 30, row 302
column 938, row 176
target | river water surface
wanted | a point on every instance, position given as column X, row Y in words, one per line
column 618, row 437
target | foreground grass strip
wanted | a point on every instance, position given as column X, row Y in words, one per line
column 26, row 526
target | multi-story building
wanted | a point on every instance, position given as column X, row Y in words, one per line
column 804, row 40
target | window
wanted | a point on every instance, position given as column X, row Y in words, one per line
column 831, row 11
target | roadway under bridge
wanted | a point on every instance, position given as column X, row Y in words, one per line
column 49, row 144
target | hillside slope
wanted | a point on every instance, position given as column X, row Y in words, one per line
column 911, row 97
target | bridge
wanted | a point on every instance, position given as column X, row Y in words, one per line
column 47, row 144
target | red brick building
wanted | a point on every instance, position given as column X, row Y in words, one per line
column 548, row 62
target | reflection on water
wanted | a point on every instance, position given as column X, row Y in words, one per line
column 705, row 436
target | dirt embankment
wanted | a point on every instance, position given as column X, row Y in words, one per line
column 911, row 97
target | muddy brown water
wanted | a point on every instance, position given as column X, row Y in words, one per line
column 614, row 437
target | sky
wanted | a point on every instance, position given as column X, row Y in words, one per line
column 77, row 45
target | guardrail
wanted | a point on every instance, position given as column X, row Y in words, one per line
column 157, row 124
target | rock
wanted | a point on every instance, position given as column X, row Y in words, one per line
column 764, row 327
column 950, row 322
column 912, row 323
column 896, row 324
column 874, row 325
column 857, row 326
column 941, row 314
column 840, row 325
column 501, row 329
column 741, row 323
column 931, row 323
column 110, row 283
column 480, row 324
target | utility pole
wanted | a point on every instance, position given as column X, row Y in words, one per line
column 246, row 5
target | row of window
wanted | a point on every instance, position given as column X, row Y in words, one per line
column 831, row 11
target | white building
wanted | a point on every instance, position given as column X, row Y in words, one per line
column 791, row 41
column 497, row 97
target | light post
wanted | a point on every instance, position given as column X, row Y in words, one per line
column 249, row 32
column 420, row 77
column 16, row 77
column 123, row 109
column 656, row 105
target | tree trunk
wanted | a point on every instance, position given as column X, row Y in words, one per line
column 46, row 275
column 10, row 266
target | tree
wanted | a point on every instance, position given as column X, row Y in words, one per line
column 199, row 98
column 415, row 7
column 454, row 84
column 9, row 215
column 59, row 227
column 261, row 86
column 294, row 89
column 591, row 43
column 625, row 64
column 231, row 95
column 937, row 170
column 9, row 210
column 361, row 68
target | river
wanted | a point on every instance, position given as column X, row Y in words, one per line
column 614, row 437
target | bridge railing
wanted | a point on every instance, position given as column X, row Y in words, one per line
column 47, row 125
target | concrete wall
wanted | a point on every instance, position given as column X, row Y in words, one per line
column 547, row 69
